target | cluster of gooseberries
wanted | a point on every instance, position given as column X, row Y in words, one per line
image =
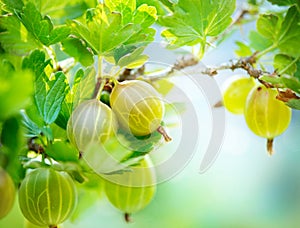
column 265, row 115
column 48, row 196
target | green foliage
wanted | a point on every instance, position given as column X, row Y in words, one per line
column 14, row 37
column 281, row 33
column 193, row 21
column 108, row 28
column 41, row 28
column 77, row 49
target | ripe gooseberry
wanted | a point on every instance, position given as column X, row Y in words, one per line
column 7, row 193
column 265, row 115
column 91, row 121
column 236, row 92
column 138, row 106
column 47, row 197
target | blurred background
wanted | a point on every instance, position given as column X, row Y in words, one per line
column 245, row 187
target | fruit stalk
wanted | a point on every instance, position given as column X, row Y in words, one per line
column 270, row 146
column 163, row 132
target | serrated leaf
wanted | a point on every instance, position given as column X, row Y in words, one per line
column 162, row 6
column 14, row 38
column 105, row 31
column 60, row 11
column 54, row 98
column 85, row 88
column 119, row 5
column 193, row 21
column 37, row 63
column 285, row 64
column 33, row 130
column 244, row 50
column 77, row 49
column 42, row 29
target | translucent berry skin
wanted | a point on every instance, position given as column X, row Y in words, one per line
column 7, row 193
column 47, row 197
column 138, row 106
column 235, row 94
column 264, row 114
column 91, row 121
column 133, row 190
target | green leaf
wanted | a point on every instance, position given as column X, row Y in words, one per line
column 64, row 115
column 48, row 95
column 275, row 32
column 11, row 5
column 134, row 59
column 268, row 25
column 258, row 42
column 285, row 64
column 288, row 39
column 14, row 37
column 60, row 11
column 77, row 49
column 41, row 28
column 62, row 151
column 162, row 6
column 16, row 88
column 121, row 5
column 85, row 89
column 33, row 130
column 243, row 49
column 276, row 81
column 193, row 21
column 54, row 98
column 291, row 83
column 284, row 2
column 294, row 103
column 105, row 31
column 37, row 63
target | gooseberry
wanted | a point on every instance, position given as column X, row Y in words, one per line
column 138, row 106
column 236, row 92
column 7, row 193
column 265, row 115
column 133, row 190
column 47, row 197
column 91, row 121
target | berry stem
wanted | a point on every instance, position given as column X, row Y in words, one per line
column 270, row 146
column 127, row 217
column 53, row 226
column 163, row 132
